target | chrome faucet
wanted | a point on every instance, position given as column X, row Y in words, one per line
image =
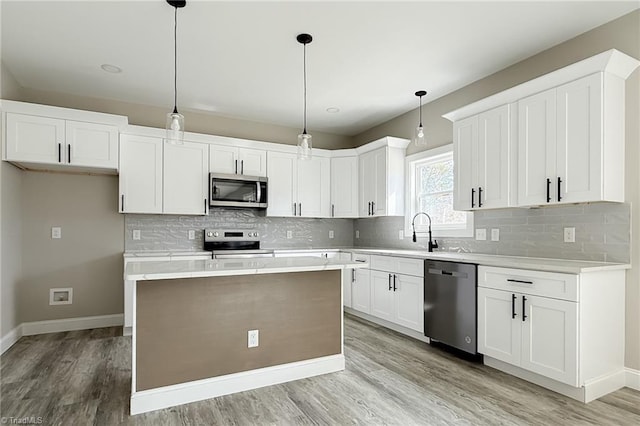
column 432, row 244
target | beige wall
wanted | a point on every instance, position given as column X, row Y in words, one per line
column 144, row 115
column 87, row 258
column 9, row 87
column 10, row 245
column 622, row 34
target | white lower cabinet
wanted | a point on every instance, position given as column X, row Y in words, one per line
column 561, row 331
column 360, row 291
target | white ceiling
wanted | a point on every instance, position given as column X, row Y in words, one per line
column 241, row 59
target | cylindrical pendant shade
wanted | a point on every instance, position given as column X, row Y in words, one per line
column 175, row 128
column 419, row 137
column 304, row 146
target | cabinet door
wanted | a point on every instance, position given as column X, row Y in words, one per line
column 344, row 187
column 281, row 169
column 382, row 303
column 360, row 291
column 140, row 174
column 186, row 171
column 409, row 302
column 313, row 187
column 379, row 180
column 465, row 144
column 366, row 182
column 579, row 140
column 92, row 145
column 494, row 146
column 223, row 159
column 536, row 148
column 35, row 139
column 550, row 338
column 499, row 334
column 252, row 162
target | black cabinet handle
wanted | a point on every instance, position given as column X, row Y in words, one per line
column 519, row 281
column 205, row 206
column 473, row 197
column 479, row 197
column 524, row 315
column 236, row 168
column 241, row 167
column 513, row 306
column 559, row 186
column 548, row 190
column 369, row 208
column 333, row 210
column 389, row 282
column 373, row 208
column 353, row 275
column 299, row 209
column 394, row 282
column 69, row 157
column 59, row 153
column 122, row 202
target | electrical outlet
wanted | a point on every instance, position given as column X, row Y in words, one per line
column 495, row 234
column 136, row 234
column 331, row 234
column 357, row 234
column 401, row 234
column 56, row 232
column 481, row 234
column 252, row 339
column 289, row 235
column 61, row 296
column 570, row 235
column 192, row 234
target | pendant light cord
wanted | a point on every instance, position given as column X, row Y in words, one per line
column 420, row 111
column 175, row 61
column 304, row 73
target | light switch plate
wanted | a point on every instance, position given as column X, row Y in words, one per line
column 289, row 235
column 481, row 234
column 401, row 234
column 331, row 234
column 357, row 234
column 192, row 234
column 56, row 232
column 495, row 234
column 136, row 234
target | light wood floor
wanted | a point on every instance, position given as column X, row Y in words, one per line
column 83, row 378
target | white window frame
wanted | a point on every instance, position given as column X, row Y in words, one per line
column 410, row 198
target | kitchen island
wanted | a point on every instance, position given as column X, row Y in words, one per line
column 206, row 328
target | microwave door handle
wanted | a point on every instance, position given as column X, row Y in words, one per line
column 258, row 192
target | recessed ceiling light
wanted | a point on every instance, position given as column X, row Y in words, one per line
column 111, row 68
column 333, row 110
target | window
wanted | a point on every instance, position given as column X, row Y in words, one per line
column 430, row 190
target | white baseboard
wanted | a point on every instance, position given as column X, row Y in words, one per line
column 395, row 327
column 10, row 338
column 633, row 379
column 184, row 393
column 71, row 324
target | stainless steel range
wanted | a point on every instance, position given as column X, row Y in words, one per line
column 234, row 244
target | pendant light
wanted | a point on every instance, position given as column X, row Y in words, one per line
column 304, row 138
column 175, row 120
column 419, row 138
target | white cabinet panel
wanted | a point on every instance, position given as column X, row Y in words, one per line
column 313, row 187
column 253, row 162
column 282, row 168
column 360, row 291
column 382, row 295
column 494, row 147
column 92, row 144
column 140, row 174
column 35, row 139
column 499, row 332
column 344, row 186
column 465, row 148
column 381, row 181
column 186, row 170
column 230, row 159
column 409, row 302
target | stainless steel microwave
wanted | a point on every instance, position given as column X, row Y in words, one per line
column 227, row 190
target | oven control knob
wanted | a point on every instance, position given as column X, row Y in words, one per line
column 215, row 234
column 251, row 234
column 255, row 234
column 209, row 234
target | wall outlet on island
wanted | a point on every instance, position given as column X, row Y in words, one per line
column 252, row 339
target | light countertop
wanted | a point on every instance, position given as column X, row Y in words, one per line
column 171, row 269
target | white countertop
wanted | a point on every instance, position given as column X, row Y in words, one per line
column 143, row 254
column 171, row 269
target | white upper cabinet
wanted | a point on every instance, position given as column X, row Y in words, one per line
column 344, row 186
column 140, row 174
column 234, row 160
column 381, row 177
column 51, row 138
column 185, row 178
column 571, row 143
column 482, row 147
column 298, row 187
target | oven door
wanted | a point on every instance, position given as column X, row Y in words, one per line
column 237, row 191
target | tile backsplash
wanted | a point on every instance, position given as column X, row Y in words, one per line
column 169, row 232
column 602, row 233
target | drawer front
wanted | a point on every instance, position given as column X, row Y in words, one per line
column 538, row 283
column 361, row 258
column 383, row 263
column 409, row 266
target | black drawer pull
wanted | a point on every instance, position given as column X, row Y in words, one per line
column 361, row 260
column 524, row 315
column 389, row 282
column 520, row 281
column 513, row 306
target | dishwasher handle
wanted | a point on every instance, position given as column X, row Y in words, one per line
column 455, row 274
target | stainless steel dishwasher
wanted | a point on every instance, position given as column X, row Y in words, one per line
column 450, row 304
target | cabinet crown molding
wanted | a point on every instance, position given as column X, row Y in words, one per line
column 389, row 141
column 611, row 61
